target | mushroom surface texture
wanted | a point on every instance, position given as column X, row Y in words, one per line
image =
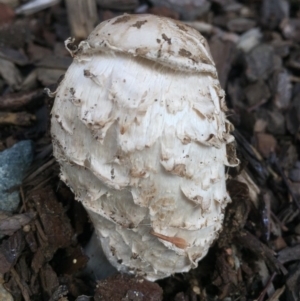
column 140, row 132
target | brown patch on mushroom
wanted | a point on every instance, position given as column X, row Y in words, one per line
column 184, row 52
column 113, row 251
column 147, row 195
column 158, row 40
column 141, row 51
column 60, row 123
column 131, row 225
column 166, row 38
column 194, row 257
column 161, row 216
column 139, row 24
column 221, row 95
column 122, row 130
column 87, row 163
column 159, row 53
column 186, row 140
column 58, row 144
column 122, row 19
column 166, row 203
column 87, row 73
column 177, row 241
column 134, row 256
column 179, row 170
column 199, row 113
column 231, row 154
column 182, row 27
column 137, row 173
column 205, row 60
column 229, row 127
column 213, row 141
column 112, row 173
column 198, row 199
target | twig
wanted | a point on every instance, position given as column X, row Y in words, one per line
column 38, row 186
column 41, row 231
column 82, row 17
column 281, row 224
column 284, row 178
column 257, row 105
column 295, row 79
column 23, row 199
column 15, row 101
column 24, row 290
column 264, row 291
column 20, row 118
column 39, row 170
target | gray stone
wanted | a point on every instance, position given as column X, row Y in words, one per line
column 240, row 24
column 276, row 123
column 273, row 12
column 294, row 174
column 260, row 62
column 14, row 163
column 256, row 93
column 282, row 89
column 188, row 9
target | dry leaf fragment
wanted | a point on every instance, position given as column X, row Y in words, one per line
column 177, row 241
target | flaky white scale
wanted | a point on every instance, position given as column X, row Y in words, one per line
column 140, row 132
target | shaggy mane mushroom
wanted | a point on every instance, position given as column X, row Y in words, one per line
column 140, row 132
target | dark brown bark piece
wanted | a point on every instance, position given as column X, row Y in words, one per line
column 266, row 144
column 11, row 223
column 7, row 14
column 223, row 53
column 49, row 280
column 55, row 224
column 10, row 250
column 292, row 284
column 20, row 118
column 251, row 242
column 127, row 288
column 82, row 17
column 289, row 254
column 16, row 101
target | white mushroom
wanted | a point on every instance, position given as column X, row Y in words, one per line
column 140, row 132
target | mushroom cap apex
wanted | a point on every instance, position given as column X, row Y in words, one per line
column 165, row 41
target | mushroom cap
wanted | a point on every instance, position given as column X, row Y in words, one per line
column 140, row 132
column 163, row 40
